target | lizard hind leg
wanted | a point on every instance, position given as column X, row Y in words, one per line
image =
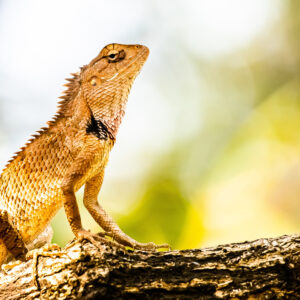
column 11, row 243
column 12, row 246
column 11, row 239
column 4, row 254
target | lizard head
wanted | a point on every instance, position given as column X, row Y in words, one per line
column 115, row 63
column 106, row 81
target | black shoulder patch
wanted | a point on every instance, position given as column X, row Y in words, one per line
column 98, row 129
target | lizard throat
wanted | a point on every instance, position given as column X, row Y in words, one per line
column 98, row 129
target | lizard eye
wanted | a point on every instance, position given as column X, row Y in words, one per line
column 114, row 55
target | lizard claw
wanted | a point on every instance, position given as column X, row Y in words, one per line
column 96, row 238
column 136, row 245
column 109, row 238
column 151, row 246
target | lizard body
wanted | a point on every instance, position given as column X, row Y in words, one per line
column 71, row 151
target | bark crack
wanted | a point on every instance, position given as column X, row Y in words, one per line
column 260, row 269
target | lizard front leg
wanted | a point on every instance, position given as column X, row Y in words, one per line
column 70, row 203
column 74, row 174
column 92, row 188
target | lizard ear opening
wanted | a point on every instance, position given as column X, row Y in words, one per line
column 94, row 81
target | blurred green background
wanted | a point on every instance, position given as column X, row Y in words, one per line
column 209, row 149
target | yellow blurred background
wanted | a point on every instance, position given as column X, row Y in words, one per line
column 209, row 149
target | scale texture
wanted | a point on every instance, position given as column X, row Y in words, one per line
column 71, row 151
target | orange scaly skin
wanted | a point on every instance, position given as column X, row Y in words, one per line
column 72, row 151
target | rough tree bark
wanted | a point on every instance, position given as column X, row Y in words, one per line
column 261, row 269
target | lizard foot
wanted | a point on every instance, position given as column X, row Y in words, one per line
column 128, row 242
column 96, row 238
column 48, row 250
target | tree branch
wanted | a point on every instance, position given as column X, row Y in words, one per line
column 264, row 269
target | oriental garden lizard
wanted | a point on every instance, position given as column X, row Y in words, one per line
column 71, row 151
